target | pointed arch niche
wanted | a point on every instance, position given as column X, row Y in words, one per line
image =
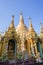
column 11, row 48
column 26, row 48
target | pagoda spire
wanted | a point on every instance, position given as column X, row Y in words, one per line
column 12, row 22
column 21, row 18
column 21, row 28
column 31, row 26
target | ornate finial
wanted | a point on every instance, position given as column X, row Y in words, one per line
column 21, row 13
column 12, row 22
column 30, row 20
column 12, row 17
column 21, row 16
column 31, row 27
column 40, row 26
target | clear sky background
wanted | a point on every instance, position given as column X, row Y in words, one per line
column 29, row 8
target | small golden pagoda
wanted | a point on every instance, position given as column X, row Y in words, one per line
column 41, row 37
column 22, row 33
column 21, row 42
column 32, row 40
column 10, row 42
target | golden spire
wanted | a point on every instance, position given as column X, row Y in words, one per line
column 12, row 22
column 21, row 26
column 21, row 18
column 31, row 27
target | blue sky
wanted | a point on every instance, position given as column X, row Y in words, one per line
column 29, row 8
